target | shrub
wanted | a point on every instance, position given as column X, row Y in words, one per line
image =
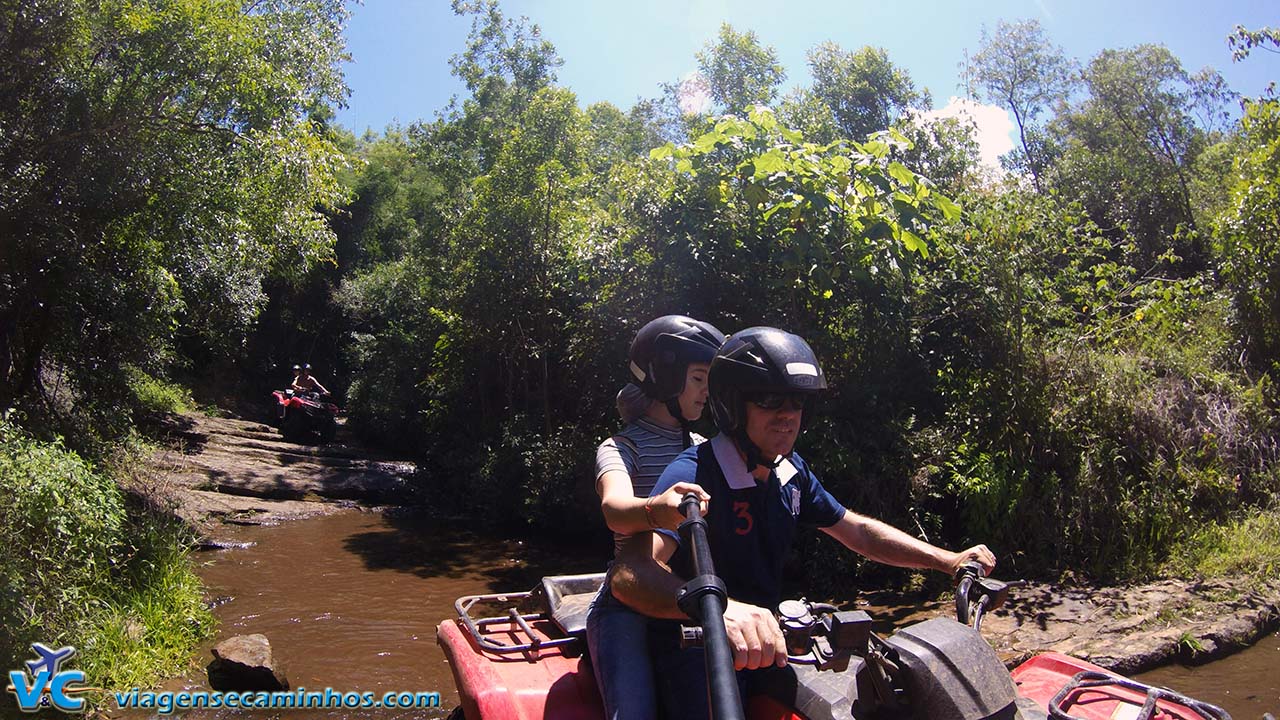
column 84, row 564
column 1248, row 546
column 61, row 533
column 156, row 396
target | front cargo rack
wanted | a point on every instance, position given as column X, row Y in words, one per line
column 1089, row 679
column 561, row 600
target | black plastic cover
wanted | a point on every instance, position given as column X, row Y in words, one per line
column 951, row 672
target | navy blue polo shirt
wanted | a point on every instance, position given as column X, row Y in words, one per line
column 750, row 525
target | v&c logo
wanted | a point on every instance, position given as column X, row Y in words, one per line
column 45, row 683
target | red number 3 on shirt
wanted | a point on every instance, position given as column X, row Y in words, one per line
column 743, row 510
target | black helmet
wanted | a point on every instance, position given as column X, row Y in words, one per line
column 759, row 360
column 664, row 349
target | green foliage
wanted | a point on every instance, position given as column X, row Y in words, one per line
column 1128, row 151
column 739, row 72
column 1188, row 644
column 505, row 63
column 155, row 396
column 863, row 89
column 945, row 150
column 85, row 566
column 806, row 222
column 62, row 533
column 808, row 114
column 1247, row 248
column 1055, row 372
column 159, row 160
column 1249, row 546
column 1244, row 41
column 1020, row 69
column 399, row 349
column 156, row 612
column 1083, row 412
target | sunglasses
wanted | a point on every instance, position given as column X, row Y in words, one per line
column 776, row 401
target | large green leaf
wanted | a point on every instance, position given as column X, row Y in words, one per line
column 662, row 152
column 769, row 163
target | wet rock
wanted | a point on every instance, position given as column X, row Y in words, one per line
column 214, row 602
column 215, row 544
column 244, row 662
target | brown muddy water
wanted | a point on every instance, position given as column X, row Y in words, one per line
column 350, row 601
column 1246, row 684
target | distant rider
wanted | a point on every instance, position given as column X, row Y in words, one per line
column 304, row 382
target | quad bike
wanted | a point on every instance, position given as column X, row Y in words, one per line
column 302, row 415
column 528, row 662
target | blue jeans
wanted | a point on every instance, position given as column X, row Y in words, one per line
column 618, row 640
column 682, row 677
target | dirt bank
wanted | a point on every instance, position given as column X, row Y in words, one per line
column 1135, row 628
column 223, row 470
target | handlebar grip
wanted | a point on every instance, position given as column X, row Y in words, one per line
column 691, row 506
column 972, row 569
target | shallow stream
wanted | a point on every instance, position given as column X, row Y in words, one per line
column 350, row 601
column 1246, row 684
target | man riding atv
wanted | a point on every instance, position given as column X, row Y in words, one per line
column 763, row 381
column 304, row 381
column 302, row 410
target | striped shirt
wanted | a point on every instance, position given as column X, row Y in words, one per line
column 642, row 450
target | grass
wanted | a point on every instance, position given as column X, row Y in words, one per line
column 159, row 396
column 1249, row 547
column 1189, row 644
column 150, row 629
column 87, row 563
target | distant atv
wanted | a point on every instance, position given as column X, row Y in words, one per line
column 300, row 414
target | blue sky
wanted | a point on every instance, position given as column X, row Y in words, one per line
column 621, row 51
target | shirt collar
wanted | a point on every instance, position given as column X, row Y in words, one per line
column 735, row 469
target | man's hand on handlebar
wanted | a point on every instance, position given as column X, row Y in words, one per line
column 754, row 636
column 980, row 554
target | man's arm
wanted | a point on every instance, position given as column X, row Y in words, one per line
column 886, row 544
column 641, row 578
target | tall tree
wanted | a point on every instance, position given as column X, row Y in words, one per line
column 864, row 89
column 1130, row 147
column 505, row 63
column 739, row 71
column 945, row 150
column 1248, row 252
column 1020, row 69
column 804, row 111
column 157, row 159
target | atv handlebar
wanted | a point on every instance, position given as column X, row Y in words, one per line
column 820, row 634
column 977, row 594
column 704, row 599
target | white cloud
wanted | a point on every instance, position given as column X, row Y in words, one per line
column 993, row 127
column 694, row 94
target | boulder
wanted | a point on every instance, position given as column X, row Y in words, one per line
column 244, row 662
